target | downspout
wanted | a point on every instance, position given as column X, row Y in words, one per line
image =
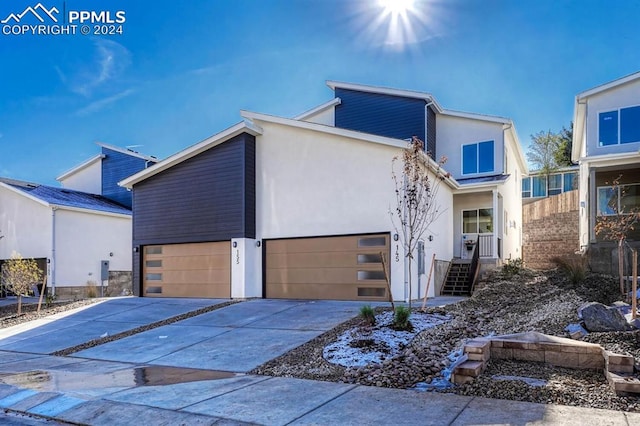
column 52, row 265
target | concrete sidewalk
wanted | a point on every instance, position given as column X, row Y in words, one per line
column 113, row 393
column 194, row 372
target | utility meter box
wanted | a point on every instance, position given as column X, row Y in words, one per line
column 421, row 259
column 104, row 270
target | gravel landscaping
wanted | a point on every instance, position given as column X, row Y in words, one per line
column 528, row 301
column 9, row 316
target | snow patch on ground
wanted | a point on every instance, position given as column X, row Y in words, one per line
column 360, row 346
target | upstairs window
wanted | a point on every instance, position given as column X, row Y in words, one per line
column 619, row 126
column 477, row 158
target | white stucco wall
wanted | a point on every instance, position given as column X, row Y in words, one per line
column 83, row 240
column 453, row 132
column 87, row 179
column 511, row 191
column 309, row 183
column 619, row 97
column 25, row 224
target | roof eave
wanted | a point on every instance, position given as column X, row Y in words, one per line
column 80, row 167
column 24, row 194
column 610, row 85
column 310, row 113
column 427, row 97
column 192, row 151
column 127, row 152
column 91, row 211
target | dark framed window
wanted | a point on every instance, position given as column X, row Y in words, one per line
column 555, row 184
column 608, row 128
column 623, row 199
column 619, row 126
column 539, row 186
column 569, row 181
column 478, row 221
column 478, row 158
column 630, row 125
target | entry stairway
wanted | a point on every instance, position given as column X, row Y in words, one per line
column 462, row 275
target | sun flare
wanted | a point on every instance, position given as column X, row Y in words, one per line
column 396, row 7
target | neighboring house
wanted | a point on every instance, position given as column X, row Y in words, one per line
column 100, row 174
column 80, row 233
column 606, row 143
column 299, row 208
column 534, row 186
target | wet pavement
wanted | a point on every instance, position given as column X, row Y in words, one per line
column 194, row 372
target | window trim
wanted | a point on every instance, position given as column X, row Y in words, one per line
column 598, row 188
column 618, row 111
column 477, row 168
column 477, row 210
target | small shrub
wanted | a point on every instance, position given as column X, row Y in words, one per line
column 92, row 292
column 574, row 267
column 512, row 268
column 49, row 299
column 368, row 315
column 401, row 319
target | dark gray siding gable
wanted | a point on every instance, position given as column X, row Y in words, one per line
column 380, row 114
column 117, row 166
column 210, row 197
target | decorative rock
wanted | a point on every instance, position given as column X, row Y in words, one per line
column 598, row 317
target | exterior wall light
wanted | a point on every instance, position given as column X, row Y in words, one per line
column 235, row 244
column 395, row 237
column 258, row 243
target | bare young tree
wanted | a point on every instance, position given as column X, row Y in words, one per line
column 416, row 190
column 18, row 275
column 543, row 153
column 617, row 226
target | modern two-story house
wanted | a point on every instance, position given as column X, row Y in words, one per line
column 606, row 143
column 299, row 207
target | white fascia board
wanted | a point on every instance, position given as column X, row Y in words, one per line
column 351, row 134
column 24, row 194
column 610, row 85
column 333, row 102
column 91, row 211
column 579, row 124
column 484, row 186
column 475, row 116
column 518, row 147
column 612, row 160
column 192, row 151
column 386, row 91
column 127, row 151
column 79, row 167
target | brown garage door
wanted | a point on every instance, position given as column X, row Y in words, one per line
column 187, row 270
column 339, row 268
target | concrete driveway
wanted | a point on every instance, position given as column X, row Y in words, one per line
column 235, row 338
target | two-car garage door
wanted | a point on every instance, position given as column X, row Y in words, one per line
column 339, row 268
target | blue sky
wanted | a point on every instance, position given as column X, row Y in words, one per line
column 181, row 71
